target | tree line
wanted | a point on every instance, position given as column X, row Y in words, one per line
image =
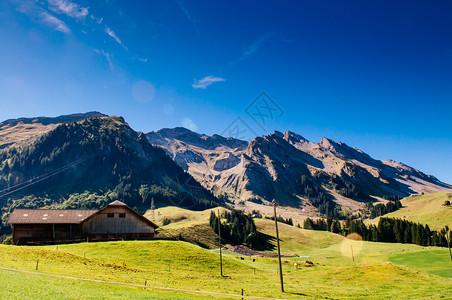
column 388, row 230
column 238, row 228
column 280, row 219
column 382, row 209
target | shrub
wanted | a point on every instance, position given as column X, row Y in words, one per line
column 8, row 240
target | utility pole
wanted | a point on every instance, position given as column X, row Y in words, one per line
column 219, row 242
column 279, row 251
column 448, row 243
column 152, row 209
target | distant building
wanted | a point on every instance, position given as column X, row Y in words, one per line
column 113, row 222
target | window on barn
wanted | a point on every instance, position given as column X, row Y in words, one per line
column 110, row 215
column 122, row 215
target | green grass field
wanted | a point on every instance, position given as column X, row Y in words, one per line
column 426, row 209
column 29, row 286
column 379, row 271
column 343, row 268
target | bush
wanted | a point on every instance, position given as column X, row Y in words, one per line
column 166, row 221
column 8, row 240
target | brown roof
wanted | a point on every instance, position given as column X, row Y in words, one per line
column 63, row 216
column 117, row 203
column 50, row 216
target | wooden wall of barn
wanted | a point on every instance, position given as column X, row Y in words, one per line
column 102, row 223
column 46, row 232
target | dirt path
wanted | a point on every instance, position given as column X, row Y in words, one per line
column 141, row 286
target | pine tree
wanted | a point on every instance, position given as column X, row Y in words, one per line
column 335, row 227
column 308, row 224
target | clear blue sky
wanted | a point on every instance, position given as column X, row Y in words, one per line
column 373, row 74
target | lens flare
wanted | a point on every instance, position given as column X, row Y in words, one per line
column 352, row 245
column 143, row 91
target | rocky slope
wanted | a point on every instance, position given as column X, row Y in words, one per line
column 285, row 166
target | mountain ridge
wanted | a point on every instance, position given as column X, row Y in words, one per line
column 327, row 177
column 89, row 163
column 270, row 167
column 21, row 129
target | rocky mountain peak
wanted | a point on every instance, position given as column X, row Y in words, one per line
column 327, row 143
column 293, row 137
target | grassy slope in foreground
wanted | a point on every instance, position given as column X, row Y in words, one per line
column 426, row 209
column 181, row 265
column 43, row 287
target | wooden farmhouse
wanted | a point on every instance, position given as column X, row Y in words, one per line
column 113, row 222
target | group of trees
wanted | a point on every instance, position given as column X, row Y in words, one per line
column 382, row 209
column 280, row 219
column 346, row 189
column 388, row 230
column 239, row 228
column 317, row 196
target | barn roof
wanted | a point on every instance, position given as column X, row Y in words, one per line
column 117, row 203
column 64, row 216
column 50, row 216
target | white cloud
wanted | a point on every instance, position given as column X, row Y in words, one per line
column 205, row 82
column 57, row 24
column 37, row 14
column 114, row 36
column 68, row 8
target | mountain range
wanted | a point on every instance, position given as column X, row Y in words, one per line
column 86, row 160
column 289, row 168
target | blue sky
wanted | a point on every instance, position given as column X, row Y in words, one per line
column 373, row 74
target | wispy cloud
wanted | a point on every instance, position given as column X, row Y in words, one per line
column 107, row 56
column 189, row 16
column 68, row 8
column 247, row 51
column 205, row 82
column 255, row 46
column 40, row 15
column 114, row 36
column 56, row 23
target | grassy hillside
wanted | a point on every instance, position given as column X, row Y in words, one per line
column 294, row 240
column 426, row 209
column 193, row 226
column 182, row 265
column 342, row 268
column 43, row 287
column 187, row 225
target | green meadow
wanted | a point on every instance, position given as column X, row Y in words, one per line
column 425, row 209
column 343, row 268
